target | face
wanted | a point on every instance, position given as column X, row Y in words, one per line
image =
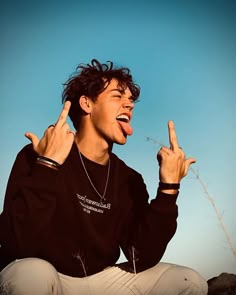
column 111, row 114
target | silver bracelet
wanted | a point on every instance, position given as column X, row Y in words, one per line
column 48, row 161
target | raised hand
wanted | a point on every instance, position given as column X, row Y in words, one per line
column 57, row 140
column 173, row 164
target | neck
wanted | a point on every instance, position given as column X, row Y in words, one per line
column 96, row 150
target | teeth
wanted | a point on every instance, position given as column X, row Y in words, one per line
column 124, row 118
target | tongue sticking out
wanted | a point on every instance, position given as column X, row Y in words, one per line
column 126, row 127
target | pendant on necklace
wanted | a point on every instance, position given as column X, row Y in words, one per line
column 102, row 200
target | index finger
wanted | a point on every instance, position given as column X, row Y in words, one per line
column 172, row 136
column 64, row 113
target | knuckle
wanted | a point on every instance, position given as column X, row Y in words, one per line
column 61, row 117
column 160, row 152
column 51, row 126
column 182, row 154
column 66, row 127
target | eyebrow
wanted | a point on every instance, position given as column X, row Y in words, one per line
column 121, row 92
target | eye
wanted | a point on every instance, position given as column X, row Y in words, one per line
column 132, row 100
column 117, row 95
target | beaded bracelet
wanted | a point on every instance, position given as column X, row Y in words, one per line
column 169, row 186
column 48, row 162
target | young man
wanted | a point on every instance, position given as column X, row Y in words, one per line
column 71, row 204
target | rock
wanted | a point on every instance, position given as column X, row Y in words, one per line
column 224, row 284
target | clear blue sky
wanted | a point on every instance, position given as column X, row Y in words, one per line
column 183, row 55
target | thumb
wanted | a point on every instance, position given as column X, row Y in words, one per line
column 188, row 162
column 33, row 138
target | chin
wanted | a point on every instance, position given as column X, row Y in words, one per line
column 121, row 141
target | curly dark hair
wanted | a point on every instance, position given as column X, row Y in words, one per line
column 90, row 80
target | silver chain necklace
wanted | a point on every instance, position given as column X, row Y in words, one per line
column 102, row 197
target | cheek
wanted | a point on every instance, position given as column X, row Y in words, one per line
column 105, row 115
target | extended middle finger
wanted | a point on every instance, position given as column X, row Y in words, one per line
column 63, row 115
column 172, row 136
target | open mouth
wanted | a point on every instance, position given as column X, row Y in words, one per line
column 123, row 118
column 124, row 121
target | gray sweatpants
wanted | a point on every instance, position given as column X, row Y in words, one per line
column 33, row 276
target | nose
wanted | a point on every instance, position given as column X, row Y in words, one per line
column 128, row 104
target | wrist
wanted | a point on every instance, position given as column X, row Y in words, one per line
column 168, row 192
column 48, row 162
column 168, row 188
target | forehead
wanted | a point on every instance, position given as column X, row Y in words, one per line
column 114, row 86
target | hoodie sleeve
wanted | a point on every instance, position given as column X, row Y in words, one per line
column 29, row 205
column 151, row 225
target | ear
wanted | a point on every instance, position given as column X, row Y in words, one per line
column 85, row 104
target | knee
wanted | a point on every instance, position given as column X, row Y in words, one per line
column 27, row 274
column 29, row 267
column 192, row 281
